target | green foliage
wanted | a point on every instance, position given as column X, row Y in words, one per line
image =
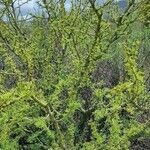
column 72, row 79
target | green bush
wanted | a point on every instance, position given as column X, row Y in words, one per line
column 72, row 79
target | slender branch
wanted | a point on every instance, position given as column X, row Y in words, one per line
column 52, row 117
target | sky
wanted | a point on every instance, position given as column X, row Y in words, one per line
column 28, row 7
column 32, row 7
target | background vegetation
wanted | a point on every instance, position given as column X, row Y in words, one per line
column 76, row 78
